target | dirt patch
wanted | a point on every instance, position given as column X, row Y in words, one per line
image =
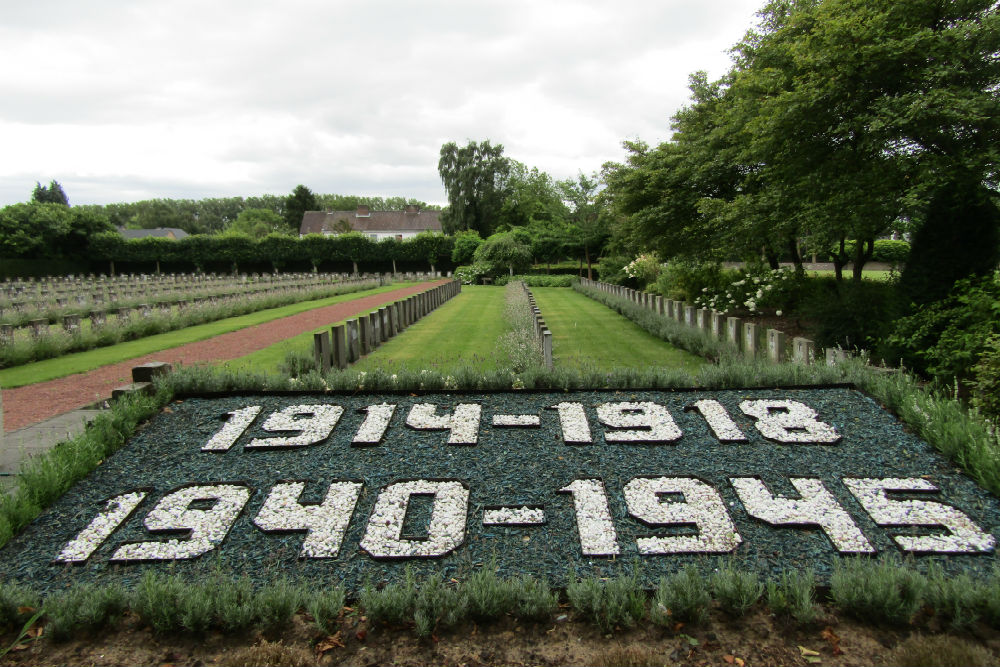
column 757, row 639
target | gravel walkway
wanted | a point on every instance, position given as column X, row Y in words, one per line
column 34, row 403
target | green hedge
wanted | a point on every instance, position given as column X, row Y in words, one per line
column 885, row 250
column 275, row 252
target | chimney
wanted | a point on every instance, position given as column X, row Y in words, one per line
column 363, row 212
column 412, row 209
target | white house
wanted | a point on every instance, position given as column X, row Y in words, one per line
column 377, row 225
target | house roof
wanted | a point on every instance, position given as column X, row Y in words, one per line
column 413, row 220
column 156, row 232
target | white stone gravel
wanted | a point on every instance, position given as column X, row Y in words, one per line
column 326, row 522
column 376, row 422
column 463, row 423
column 173, row 513
column 718, row 419
column 106, row 522
column 517, row 420
column 574, row 424
column 513, row 516
column 816, row 507
column 702, row 506
column 642, row 422
column 594, row 524
column 238, row 422
column 314, row 421
column 446, row 531
column 789, row 421
column 964, row 536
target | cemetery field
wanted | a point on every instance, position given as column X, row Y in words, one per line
column 80, row 362
column 587, row 334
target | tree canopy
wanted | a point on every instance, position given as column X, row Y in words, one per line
column 476, row 178
column 53, row 194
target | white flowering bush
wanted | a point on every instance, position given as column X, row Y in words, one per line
column 755, row 288
column 645, row 269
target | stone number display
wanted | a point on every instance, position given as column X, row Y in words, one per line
column 207, row 512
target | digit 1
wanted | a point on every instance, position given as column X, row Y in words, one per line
column 238, row 422
column 593, row 518
column 108, row 521
column 575, row 429
column 722, row 425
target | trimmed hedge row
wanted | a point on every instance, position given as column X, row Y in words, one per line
column 276, row 252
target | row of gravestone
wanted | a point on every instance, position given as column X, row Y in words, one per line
column 25, row 313
column 748, row 337
column 346, row 343
column 96, row 289
column 72, row 322
column 41, row 300
column 542, row 333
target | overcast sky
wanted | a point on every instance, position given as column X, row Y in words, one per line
column 135, row 99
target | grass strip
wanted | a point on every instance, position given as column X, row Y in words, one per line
column 80, row 362
column 588, row 334
column 462, row 333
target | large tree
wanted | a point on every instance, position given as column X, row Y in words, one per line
column 301, row 200
column 53, row 194
column 475, row 177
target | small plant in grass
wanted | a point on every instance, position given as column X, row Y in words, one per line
column 489, row 596
column 438, row 606
column 235, row 607
column 324, row 606
column 735, row 590
column 989, row 603
column 793, row 594
column 158, row 600
column 682, row 596
column 84, row 608
column 15, row 599
column 608, row 604
column 276, row 603
column 535, row 601
column 954, row 598
column 393, row 604
column 877, row 591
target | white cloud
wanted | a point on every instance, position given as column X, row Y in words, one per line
column 120, row 101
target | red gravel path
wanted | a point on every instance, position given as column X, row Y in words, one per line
column 34, row 403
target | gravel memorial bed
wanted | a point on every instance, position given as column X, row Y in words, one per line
column 346, row 489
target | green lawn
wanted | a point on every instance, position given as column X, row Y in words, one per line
column 79, row 362
column 880, row 276
column 587, row 334
column 462, row 332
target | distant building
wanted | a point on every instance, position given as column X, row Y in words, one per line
column 156, row 233
column 376, row 225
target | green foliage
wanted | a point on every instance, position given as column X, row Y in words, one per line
column 475, row 177
column 503, row 253
column 489, row 596
column 276, row 602
column 53, row 194
column 683, row 596
column 946, row 339
column 986, row 379
column 959, row 238
column 855, row 315
column 534, row 600
column 301, row 200
column 687, row 280
column 466, row 243
column 618, row 602
column 877, row 591
column 257, row 223
column 13, row 597
column 539, row 280
column 438, row 606
column 325, row 605
column 735, row 590
column 393, row 604
column 793, row 594
column 84, row 608
column 956, row 599
column 644, row 270
column 887, row 251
